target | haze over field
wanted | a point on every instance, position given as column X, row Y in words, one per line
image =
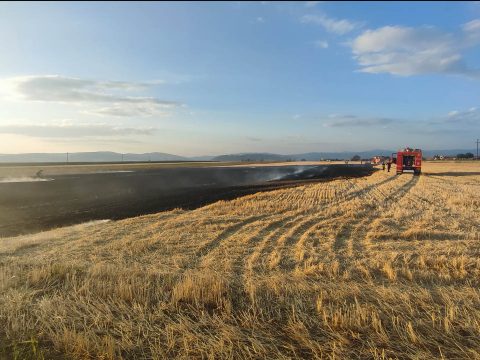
column 219, row 78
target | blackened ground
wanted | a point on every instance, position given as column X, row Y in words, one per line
column 71, row 199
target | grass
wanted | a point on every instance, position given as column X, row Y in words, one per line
column 382, row 267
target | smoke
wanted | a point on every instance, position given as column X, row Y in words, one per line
column 89, row 223
column 22, row 179
column 112, row 171
column 249, row 175
column 298, row 173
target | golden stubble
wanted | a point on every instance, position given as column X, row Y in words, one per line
column 380, row 267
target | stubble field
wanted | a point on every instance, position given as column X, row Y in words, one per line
column 379, row 267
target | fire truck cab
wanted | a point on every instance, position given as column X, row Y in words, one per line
column 409, row 160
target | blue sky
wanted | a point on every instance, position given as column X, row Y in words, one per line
column 215, row 78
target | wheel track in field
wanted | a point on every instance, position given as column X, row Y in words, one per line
column 445, row 185
column 298, row 230
column 232, row 230
column 239, row 244
column 367, row 189
column 152, row 234
column 257, row 258
column 278, row 250
column 343, row 242
column 452, row 182
column 226, row 234
column 198, row 260
column 242, row 265
column 345, row 245
column 415, row 203
column 273, row 233
column 294, row 240
column 294, row 237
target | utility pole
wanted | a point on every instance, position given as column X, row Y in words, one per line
column 67, row 157
column 122, row 157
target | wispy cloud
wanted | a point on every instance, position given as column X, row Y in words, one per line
column 310, row 4
column 337, row 120
column 470, row 117
column 260, row 19
column 407, row 51
column 73, row 130
column 127, row 110
column 332, row 25
column 82, row 92
column 321, row 44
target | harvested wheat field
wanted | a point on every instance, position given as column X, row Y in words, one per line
column 373, row 268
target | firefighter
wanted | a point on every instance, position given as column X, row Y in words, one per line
column 389, row 165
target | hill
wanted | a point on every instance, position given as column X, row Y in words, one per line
column 315, row 156
column 98, row 156
column 108, row 156
column 252, row 157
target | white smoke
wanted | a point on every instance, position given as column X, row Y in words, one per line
column 22, row 179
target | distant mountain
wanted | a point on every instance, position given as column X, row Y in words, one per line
column 99, row 156
column 108, row 156
column 315, row 156
column 155, row 156
column 201, row 158
column 251, row 157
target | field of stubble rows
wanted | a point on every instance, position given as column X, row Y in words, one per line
column 374, row 268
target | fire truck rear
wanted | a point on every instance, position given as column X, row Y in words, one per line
column 409, row 160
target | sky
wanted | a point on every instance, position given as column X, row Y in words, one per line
column 209, row 78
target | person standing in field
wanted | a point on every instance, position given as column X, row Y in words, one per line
column 383, row 165
column 389, row 165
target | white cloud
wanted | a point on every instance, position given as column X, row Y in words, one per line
column 336, row 26
column 407, row 51
column 127, row 110
column 338, row 120
column 81, row 92
column 322, row 44
column 470, row 117
column 472, row 32
column 310, row 4
column 472, row 26
column 68, row 130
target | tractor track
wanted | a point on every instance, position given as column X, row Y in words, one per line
column 230, row 231
column 353, row 234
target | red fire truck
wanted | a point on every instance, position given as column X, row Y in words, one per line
column 408, row 160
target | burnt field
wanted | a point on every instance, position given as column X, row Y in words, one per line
column 34, row 204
